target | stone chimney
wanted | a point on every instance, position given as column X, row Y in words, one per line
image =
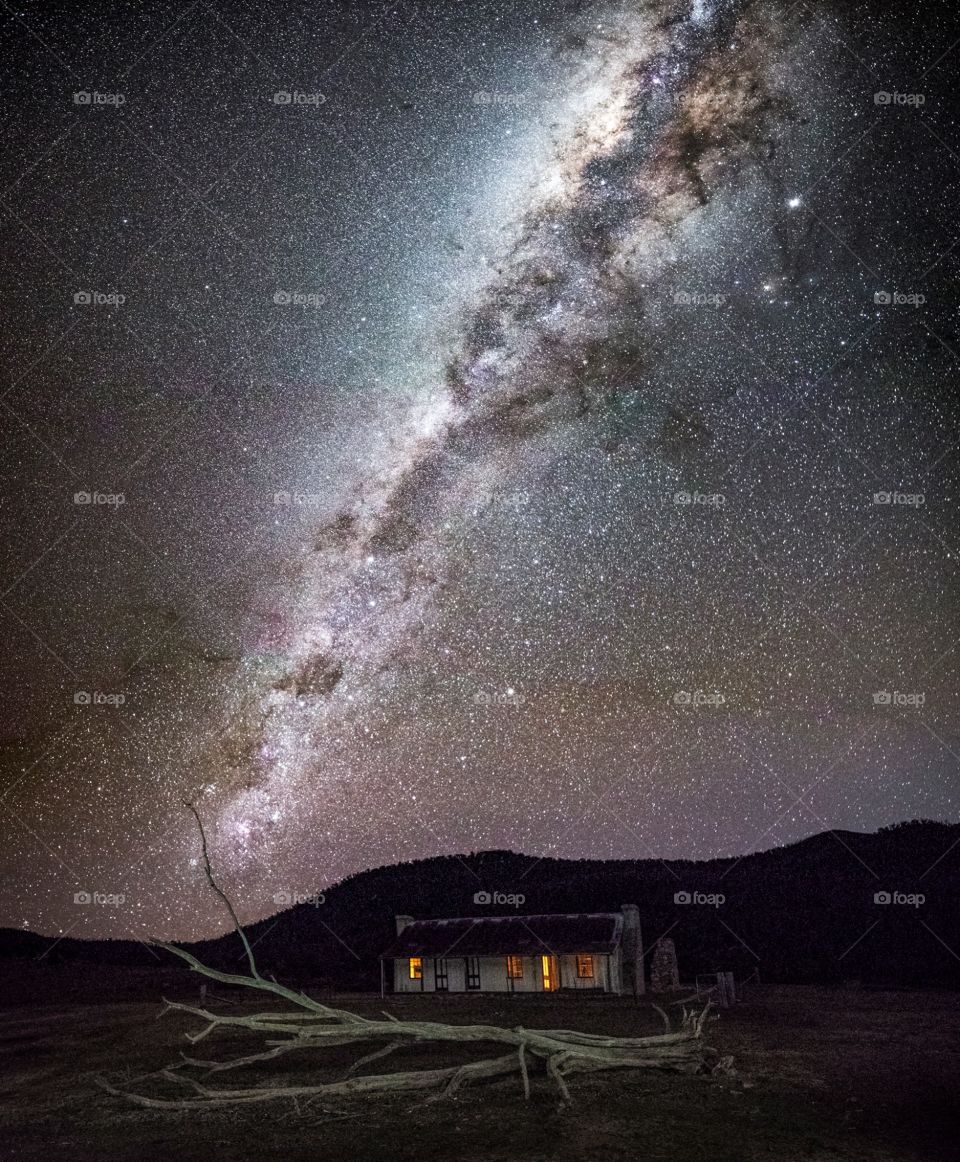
column 402, row 922
column 633, row 981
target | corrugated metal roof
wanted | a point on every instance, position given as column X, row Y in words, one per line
column 504, row 935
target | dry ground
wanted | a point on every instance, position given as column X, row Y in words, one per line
column 824, row 1074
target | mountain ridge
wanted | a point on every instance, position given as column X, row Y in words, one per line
column 809, row 911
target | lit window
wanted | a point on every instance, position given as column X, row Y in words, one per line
column 585, row 967
column 416, row 968
column 515, row 967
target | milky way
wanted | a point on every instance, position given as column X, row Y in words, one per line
column 585, row 555
column 662, row 119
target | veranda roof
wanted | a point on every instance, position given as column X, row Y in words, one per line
column 509, row 935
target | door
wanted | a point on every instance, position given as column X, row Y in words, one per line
column 551, row 973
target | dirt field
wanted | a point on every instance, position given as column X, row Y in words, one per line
column 824, row 1074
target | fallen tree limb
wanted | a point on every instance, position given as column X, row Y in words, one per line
column 562, row 1052
column 380, row 1083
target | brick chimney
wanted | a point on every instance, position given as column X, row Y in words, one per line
column 633, row 981
column 402, row 922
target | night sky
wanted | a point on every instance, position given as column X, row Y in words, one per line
column 430, row 427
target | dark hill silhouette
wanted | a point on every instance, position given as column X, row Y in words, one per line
column 801, row 913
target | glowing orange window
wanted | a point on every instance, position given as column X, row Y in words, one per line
column 585, row 967
column 515, row 967
column 416, row 968
column 550, row 967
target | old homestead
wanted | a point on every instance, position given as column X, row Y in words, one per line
column 594, row 951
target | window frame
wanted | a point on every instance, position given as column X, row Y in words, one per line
column 585, row 960
column 514, row 967
column 415, row 967
column 471, row 975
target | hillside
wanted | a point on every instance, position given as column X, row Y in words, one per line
column 803, row 913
